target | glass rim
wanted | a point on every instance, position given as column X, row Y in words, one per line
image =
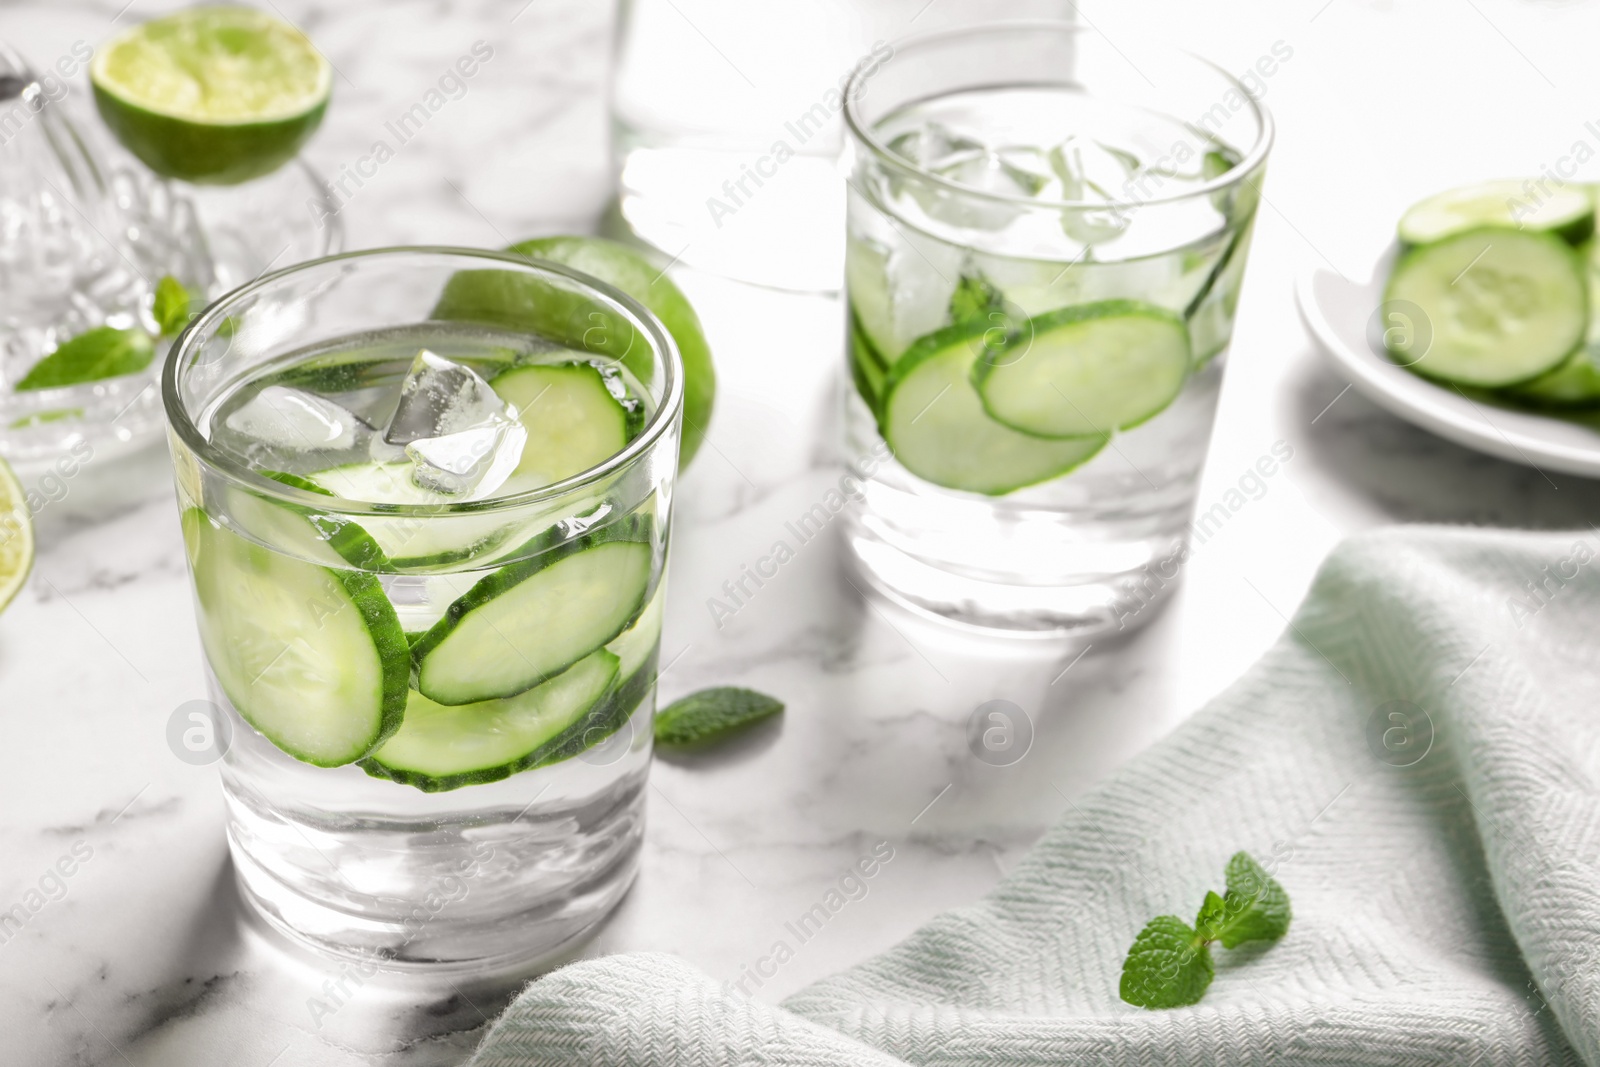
column 861, row 75
column 641, row 318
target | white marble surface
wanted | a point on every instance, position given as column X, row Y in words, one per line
column 143, row 958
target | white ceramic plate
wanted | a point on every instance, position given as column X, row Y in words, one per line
column 1340, row 315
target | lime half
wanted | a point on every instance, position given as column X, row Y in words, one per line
column 212, row 94
column 16, row 536
column 504, row 299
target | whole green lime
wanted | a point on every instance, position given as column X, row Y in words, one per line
column 212, row 94
column 518, row 301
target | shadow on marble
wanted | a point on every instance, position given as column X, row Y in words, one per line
column 1407, row 474
column 229, row 970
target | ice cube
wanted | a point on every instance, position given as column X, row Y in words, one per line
column 292, row 419
column 1092, row 171
column 461, row 437
column 472, row 462
column 983, row 171
column 1027, row 166
column 440, row 397
column 933, row 146
column 991, row 172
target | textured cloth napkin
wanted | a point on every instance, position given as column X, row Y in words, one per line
column 1418, row 762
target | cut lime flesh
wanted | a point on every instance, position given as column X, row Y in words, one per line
column 213, row 94
column 16, row 536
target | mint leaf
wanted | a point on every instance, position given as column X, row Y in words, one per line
column 974, row 297
column 1257, row 908
column 103, row 352
column 171, row 307
column 1212, row 913
column 41, row 418
column 711, row 713
column 1169, row 966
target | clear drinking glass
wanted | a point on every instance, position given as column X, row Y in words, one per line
column 1045, row 242
column 725, row 126
column 429, row 591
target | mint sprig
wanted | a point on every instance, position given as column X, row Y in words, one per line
column 1169, row 964
column 103, row 352
column 711, row 714
column 974, row 297
column 170, row 307
column 109, row 352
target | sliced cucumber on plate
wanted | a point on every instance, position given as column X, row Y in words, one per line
column 313, row 657
column 1085, row 371
column 575, row 597
column 1566, row 211
column 935, row 422
column 1498, row 307
column 1575, row 384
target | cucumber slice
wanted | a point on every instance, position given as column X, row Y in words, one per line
column 866, row 367
column 442, row 747
column 1567, row 212
column 573, row 418
column 531, row 620
column 866, row 270
column 638, row 642
column 1574, row 384
column 1087, row 370
column 330, row 540
column 313, row 657
column 1210, row 315
column 935, row 423
column 606, row 718
column 1499, row 307
column 414, row 543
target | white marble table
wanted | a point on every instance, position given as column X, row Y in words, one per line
column 141, row 958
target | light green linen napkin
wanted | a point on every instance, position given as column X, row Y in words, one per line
column 1418, row 759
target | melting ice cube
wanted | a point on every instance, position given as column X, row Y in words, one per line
column 983, row 171
column 461, row 437
column 1095, row 172
column 280, row 417
column 933, row 146
column 440, row 397
column 475, row 461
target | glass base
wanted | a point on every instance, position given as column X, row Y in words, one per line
column 420, row 933
column 1093, row 606
column 488, row 878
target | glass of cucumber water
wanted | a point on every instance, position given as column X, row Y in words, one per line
column 1046, row 237
column 425, row 497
